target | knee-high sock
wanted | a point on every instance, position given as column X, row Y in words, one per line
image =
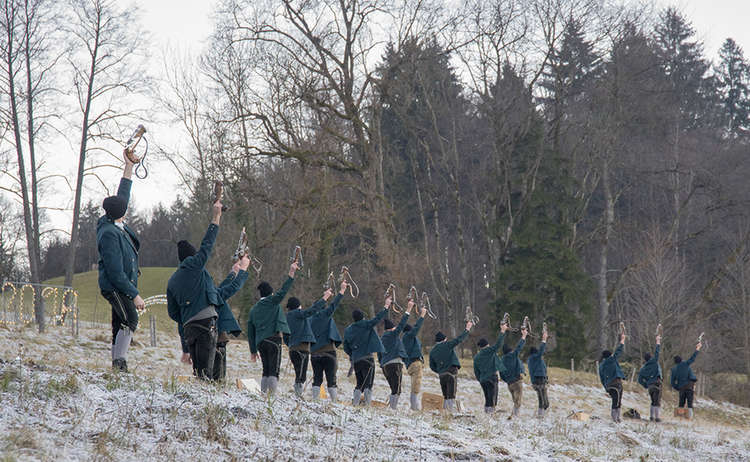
column 122, row 342
column 368, row 396
column 356, row 397
column 333, row 393
column 263, row 384
column 315, row 392
column 273, row 384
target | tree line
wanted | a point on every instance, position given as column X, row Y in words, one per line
column 577, row 161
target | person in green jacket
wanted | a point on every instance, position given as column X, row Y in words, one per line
column 611, row 375
column 118, row 248
column 266, row 324
column 301, row 336
column 486, row 365
column 414, row 361
column 650, row 378
column 192, row 300
column 511, row 369
column 227, row 324
column 445, row 363
column 682, row 378
column 393, row 355
column 360, row 342
column 323, row 352
column 538, row 375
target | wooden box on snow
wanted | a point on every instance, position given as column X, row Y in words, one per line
column 582, row 416
column 248, row 384
column 681, row 412
column 431, row 402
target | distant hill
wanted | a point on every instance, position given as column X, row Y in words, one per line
column 94, row 308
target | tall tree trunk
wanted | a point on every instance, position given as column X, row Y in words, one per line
column 609, row 219
column 71, row 260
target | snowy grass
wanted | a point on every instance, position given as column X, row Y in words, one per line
column 62, row 402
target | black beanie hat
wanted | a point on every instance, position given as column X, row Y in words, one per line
column 115, row 206
column 265, row 289
column 606, row 354
column 357, row 315
column 533, row 351
column 388, row 324
column 677, row 359
column 482, row 343
column 439, row 336
column 506, row 349
column 407, row 328
column 293, row 303
column 184, row 250
column 646, row 356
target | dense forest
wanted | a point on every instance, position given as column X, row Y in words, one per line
column 581, row 162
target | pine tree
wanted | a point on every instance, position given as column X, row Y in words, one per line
column 732, row 81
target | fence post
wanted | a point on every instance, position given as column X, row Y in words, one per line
column 152, row 325
column 572, row 366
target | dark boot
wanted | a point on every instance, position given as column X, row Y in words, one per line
column 120, row 365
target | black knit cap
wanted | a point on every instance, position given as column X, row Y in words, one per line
column 293, row 303
column 506, row 349
column 115, row 206
column 533, row 351
column 357, row 315
column 439, row 336
column 482, row 343
column 184, row 250
column 265, row 289
column 646, row 356
column 606, row 354
column 407, row 328
column 388, row 324
column 677, row 359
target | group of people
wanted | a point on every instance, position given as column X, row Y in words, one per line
column 205, row 322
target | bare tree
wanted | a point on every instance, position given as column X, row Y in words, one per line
column 106, row 77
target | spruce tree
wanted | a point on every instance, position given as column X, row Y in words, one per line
column 732, row 82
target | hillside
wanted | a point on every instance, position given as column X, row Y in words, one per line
column 94, row 308
column 61, row 402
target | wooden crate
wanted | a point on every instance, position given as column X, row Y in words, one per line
column 682, row 413
column 248, row 384
column 431, row 402
column 581, row 416
column 185, row 378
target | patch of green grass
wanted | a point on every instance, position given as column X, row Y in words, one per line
column 66, row 386
column 9, row 375
column 94, row 308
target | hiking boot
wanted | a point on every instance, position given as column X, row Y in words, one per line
column 298, row 389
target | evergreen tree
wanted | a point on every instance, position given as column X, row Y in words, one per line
column 732, row 81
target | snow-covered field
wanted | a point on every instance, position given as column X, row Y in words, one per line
column 60, row 402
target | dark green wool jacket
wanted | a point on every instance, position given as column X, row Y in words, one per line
column 412, row 345
column 609, row 369
column 360, row 338
column 486, row 362
column 391, row 340
column 299, row 324
column 228, row 287
column 442, row 356
column 267, row 318
column 651, row 371
column 511, row 366
column 537, row 367
column 682, row 374
column 324, row 327
column 118, row 252
column 226, row 322
column 190, row 289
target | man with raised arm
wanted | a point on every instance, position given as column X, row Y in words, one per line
column 682, row 378
column 538, row 374
column 323, row 350
column 266, row 324
column 511, row 369
column 650, row 378
column 414, row 361
column 301, row 336
column 227, row 323
column 486, row 365
column 611, row 377
column 445, row 363
column 360, row 342
column 392, row 359
column 118, row 268
column 193, row 301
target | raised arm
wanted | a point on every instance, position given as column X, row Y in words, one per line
column 232, row 284
column 656, row 353
column 378, row 317
column 402, row 323
column 279, row 295
column 618, row 351
column 454, row 343
column 519, row 347
column 314, row 308
column 692, row 357
column 499, row 343
column 123, row 190
column 201, row 257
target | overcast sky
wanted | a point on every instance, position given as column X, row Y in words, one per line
column 187, row 24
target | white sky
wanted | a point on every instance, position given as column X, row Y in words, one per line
column 187, row 24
